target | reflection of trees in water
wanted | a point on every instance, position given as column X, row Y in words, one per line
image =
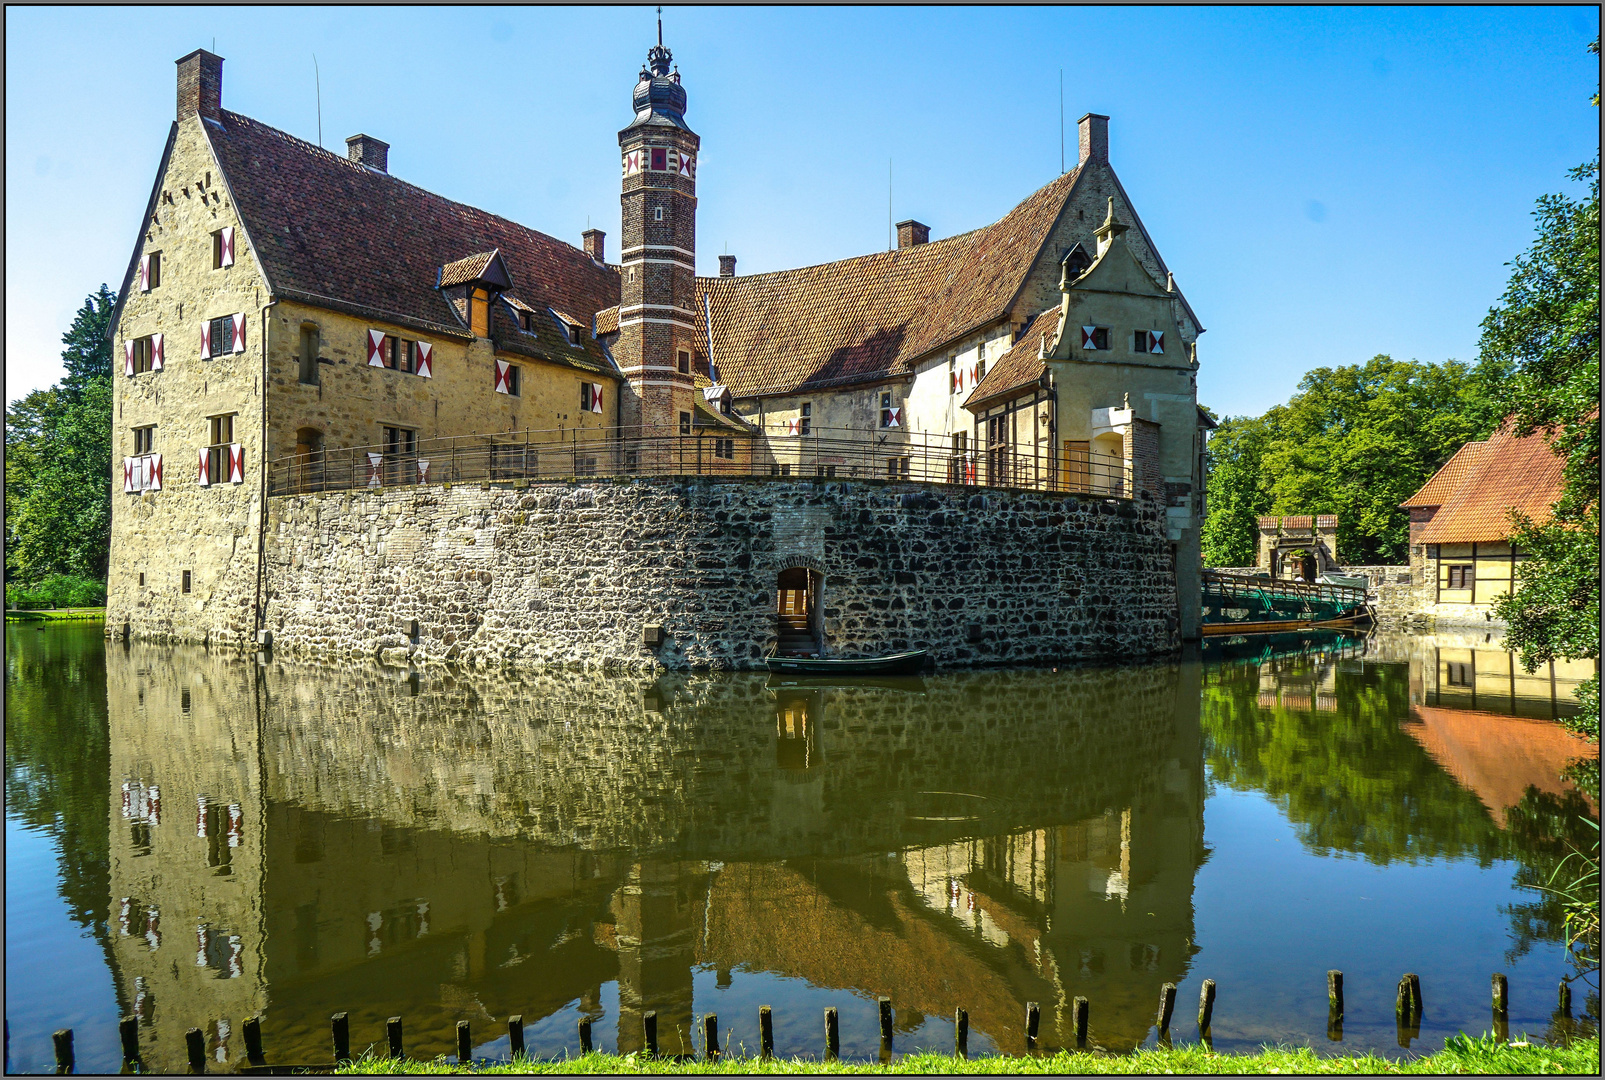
column 1351, row 779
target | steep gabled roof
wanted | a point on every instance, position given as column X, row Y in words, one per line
column 1508, row 473
column 1447, row 480
column 1019, row 368
column 871, row 317
column 335, row 233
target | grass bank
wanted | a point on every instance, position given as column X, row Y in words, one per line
column 1460, row 1054
column 53, row 614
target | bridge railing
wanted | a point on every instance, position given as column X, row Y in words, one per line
column 1235, row 586
column 835, row 453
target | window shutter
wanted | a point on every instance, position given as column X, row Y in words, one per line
column 153, row 472
column 205, row 475
column 128, row 475
column 156, row 352
column 502, row 380
column 1156, row 341
column 894, row 417
column 239, row 333
column 376, row 348
column 144, row 273
column 1087, row 341
column 228, row 248
column 128, row 358
column 206, row 339
column 594, row 393
column 423, row 471
column 374, row 462
column 236, row 463
column 425, row 353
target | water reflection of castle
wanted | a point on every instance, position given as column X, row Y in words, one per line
column 298, row 842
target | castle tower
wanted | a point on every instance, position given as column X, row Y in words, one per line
column 657, row 327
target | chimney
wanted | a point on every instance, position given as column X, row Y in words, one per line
column 591, row 241
column 911, row 233
column 369, row 151
column 1094, row 138
column 200, row 85
column 727, row 266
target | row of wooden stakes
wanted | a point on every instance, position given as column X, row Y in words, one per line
column 1407, row 1010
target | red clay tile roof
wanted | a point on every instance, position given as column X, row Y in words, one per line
column 464, row 270
column 1508, row 474
column 339, row 234
column 1020, row 367
column 1447, row 480
column 870, row 318
column 607, row 321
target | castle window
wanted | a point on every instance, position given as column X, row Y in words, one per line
column 724, row 448
column 399, row 354
column 150, row 271
column 309, row 353
column 219, row 467
column 184, row 586
column 1462, row 577
column 223, row 247
column 890, row 417
column 685, row 423
column 1095, row 337
column 142, row 353
column 660, row 162
column 142, row 579
column 515, row 381
column 685, row 362
column 805, row 423
column 220, row 336
column 144, row 439
column 897, row 468
column 657, row 213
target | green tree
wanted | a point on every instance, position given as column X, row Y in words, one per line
column 1546, row 327
column 1235, row 496
column 58, row 459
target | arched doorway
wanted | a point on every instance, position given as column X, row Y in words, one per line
column 797, row 597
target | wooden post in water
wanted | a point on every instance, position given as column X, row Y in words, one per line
column 833, row 1040
column 585, row 1035
column 64, row 1058
column 1079, row 1013
column 340, row 1029
column 886, row 1023
column 1401, row 1002
column 128, row 1032
column 1565, row 1006
column 1033, row 1021
column 649, row 1031
column 393, row 1034
column 1501, row 995
column 1334, row 996
column 961, row 1033
column 195, row 1043
column 252, row 1030
column 1167, row 1005
column 1206, row 1006
column 515, row 1035
column 710, row 1037
column 766, row 1033
column 1415, row 999
column 465, row 1043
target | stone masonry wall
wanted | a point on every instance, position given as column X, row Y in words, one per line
column 571, row 574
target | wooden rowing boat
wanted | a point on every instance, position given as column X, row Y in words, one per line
column 903, row 663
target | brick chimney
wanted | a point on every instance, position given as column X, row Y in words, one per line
column 727, row 266
column 200, row 85
column 369, row 151
column 911, row 233
column 1094, row 138
column 591, row 240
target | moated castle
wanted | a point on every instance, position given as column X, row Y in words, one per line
column 357, row 417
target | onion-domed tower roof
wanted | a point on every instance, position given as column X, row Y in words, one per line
column 659, row 99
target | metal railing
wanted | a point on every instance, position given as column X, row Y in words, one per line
column 829, row 453
column 1266, row 589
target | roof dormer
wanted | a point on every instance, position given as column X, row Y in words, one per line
column 472, row 284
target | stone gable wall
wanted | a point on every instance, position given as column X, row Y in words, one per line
column 571, row 574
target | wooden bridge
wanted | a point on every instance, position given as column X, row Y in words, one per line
column 1234, row 604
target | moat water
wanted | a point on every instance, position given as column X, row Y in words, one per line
column 194, row 838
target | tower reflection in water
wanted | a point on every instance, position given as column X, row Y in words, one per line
column 297, row 841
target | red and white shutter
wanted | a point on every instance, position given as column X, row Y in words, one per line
column 128, row 358
column 228, row 247
column 376, row 348
column 423, row 471
column 144, row 273
column 894, row 417
column 236, row 463
column 204, row 476
column 375, row 461
column 153, row 472
column 1156, row 341
column 596, row 397
column 1087, row 340
column 156, row 352
column 206, row 339
column 128, row 475
column 239, row 333
column 425, row 355
column 503, row 383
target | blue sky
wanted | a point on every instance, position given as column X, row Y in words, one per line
column 1326, row 183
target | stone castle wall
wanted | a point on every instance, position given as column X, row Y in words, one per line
column 572, row 574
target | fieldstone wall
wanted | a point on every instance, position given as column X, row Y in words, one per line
column 572, row 574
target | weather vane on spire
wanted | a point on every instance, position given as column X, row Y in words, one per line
column 660, row 26
column 659, row 58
